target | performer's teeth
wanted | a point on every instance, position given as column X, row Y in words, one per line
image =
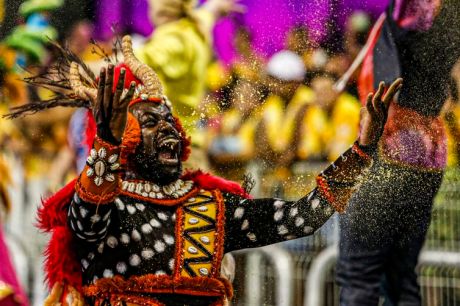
column 124, row 185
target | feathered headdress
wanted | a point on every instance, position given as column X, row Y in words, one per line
column 75, row 85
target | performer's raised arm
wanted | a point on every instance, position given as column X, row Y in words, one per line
column 97, row 186
column 259, row 222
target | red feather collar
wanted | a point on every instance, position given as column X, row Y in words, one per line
column 61, row 263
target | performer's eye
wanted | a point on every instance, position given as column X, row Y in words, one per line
column 148, row 120
column 170, row 119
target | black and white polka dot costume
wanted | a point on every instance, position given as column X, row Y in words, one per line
column 134, row 237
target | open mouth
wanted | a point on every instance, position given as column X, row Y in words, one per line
column 168, row 151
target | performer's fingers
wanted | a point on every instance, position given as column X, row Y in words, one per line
column 369, row 105
column 54, row 296
column 108, row 90
column 119, row 89
column 377, row 98
column 97, row 108
column 129, row 95
column 395, row 86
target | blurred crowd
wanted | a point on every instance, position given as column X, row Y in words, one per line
column 277, row 110
column 265, row 115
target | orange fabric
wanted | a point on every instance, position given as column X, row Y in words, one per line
column 132, row 288
column 107, row 191
column 360, row 152
column 325, row 190
column 179, row 253
column 131, row 138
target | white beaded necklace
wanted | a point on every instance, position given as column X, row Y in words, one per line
column 148, row 189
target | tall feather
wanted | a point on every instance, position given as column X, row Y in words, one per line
column 56, row 78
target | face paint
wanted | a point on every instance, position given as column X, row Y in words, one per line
column 158, row 157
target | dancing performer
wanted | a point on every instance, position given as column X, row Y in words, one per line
column 134, row 229
column 385, row 226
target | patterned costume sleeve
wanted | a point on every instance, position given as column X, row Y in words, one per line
column 98, row 182
column 89, row 222
column 258, row 222
column 96, row 190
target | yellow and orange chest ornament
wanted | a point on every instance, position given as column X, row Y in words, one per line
column 200, row 237
column 199, row 222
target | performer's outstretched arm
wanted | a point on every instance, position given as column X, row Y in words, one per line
column 259, row 222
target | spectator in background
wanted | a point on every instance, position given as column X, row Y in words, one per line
column 299, row 42
column 231, row 134
column 327, row 126
column 356, row 32
column 248, row 63
column 180, row 51
column 285, row 75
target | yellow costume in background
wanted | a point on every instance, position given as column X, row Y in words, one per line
column 279, row 120
column 328, row 136
column 180, row 52
column 233, row 125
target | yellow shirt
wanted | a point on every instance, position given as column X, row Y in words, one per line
column 241, row 132
column 279, row 120
column 179, row 53
column 324, row 136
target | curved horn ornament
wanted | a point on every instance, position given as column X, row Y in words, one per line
column 80, row 90
column 151, row 82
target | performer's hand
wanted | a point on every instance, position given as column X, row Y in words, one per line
column 111, row 108
column 374, row 115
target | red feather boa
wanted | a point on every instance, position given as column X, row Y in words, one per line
column 61, row 264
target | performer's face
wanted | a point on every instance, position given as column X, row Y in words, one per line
column 158, row 156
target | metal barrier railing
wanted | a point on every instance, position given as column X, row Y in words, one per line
column 280, row 260
column 439, row 268
column 321, row 266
